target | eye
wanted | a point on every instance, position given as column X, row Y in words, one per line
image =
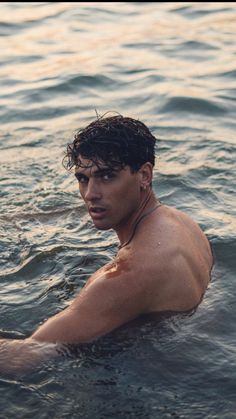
column 107, row 176
column 81, row 178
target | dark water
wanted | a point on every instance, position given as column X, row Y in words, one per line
column 172, row 65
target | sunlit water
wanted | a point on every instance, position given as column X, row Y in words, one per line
column 172, row 65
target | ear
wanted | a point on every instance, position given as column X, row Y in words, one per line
column 146, row 173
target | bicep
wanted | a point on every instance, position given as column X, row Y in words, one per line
column 98, row 309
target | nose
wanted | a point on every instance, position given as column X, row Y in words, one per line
column 92, row 192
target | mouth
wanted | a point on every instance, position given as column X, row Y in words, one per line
column 97, row 212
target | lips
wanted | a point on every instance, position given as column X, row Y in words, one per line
column 97, row 212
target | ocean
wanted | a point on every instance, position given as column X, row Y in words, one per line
column 173, row 66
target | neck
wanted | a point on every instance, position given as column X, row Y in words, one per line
column 125, row 232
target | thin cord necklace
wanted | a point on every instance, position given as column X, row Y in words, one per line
column 137, row 223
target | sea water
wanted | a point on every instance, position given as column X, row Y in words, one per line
column 173, row 66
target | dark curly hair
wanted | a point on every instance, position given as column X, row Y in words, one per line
column 116, row 141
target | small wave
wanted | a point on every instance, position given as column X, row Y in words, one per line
column 7, row 28
column 38, row 114
column 192, row 105
column 228, row 74
column 190, row 12
column 80, row 82
column 196, row 45
column 33, row 265
column 42, row 216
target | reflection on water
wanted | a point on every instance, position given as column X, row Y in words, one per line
column 171, row 65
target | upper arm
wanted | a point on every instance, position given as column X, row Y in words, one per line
column 102, row 306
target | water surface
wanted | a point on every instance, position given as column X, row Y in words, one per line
column 171, row 65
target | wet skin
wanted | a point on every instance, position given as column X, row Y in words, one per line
column 165, row 267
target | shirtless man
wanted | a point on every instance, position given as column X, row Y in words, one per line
column 164, row 259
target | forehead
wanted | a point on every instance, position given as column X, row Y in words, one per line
column 90, row 167
column 86, row 164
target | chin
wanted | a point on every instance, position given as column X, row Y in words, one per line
column 101, row 226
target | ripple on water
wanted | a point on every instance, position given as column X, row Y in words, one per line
column 193, row 105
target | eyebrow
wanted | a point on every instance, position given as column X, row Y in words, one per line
column 103, row 171
column 98, row 172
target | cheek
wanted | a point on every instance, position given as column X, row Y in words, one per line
column 82, row 192
column 128, row 196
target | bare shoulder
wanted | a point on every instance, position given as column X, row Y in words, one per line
column 188, row 233
column 170, row 230
column 175, row 259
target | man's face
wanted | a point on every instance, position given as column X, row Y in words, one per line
column 111, row 196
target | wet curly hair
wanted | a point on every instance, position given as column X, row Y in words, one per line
column 116, row 141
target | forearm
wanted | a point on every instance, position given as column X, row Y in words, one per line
column 18, row 357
